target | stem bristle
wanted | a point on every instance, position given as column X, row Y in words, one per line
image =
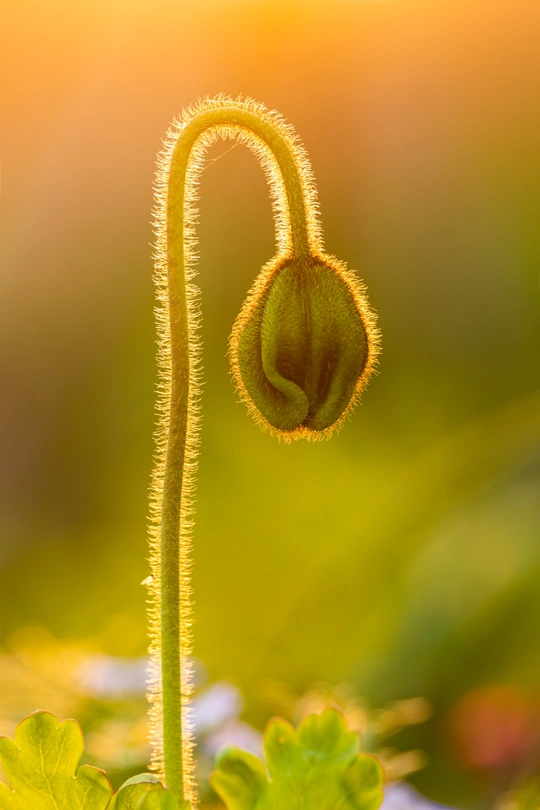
column 298, row 232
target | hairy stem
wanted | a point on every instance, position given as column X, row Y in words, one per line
column 297, row 234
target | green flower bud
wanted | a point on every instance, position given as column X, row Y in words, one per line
column 303, row 346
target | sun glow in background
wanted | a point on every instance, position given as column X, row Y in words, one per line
column 403, row 556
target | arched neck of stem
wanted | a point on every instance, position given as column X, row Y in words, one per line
column 237, row 117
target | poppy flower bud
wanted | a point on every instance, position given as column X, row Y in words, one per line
column 303, row 346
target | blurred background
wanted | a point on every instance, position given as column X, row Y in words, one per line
column 399, row 562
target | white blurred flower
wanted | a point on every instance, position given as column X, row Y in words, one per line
column 216, row 705
column 404, row 797
column 106, row 676
column 215, row 712
column 236, row 733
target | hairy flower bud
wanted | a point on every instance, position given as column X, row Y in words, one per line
column 303, row 346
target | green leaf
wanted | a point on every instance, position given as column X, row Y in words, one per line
column 145, row 792
column 41, row 767
column 162, row 801
column 134, row 791
column 144, row 778
column 241, row 780
column 317, row 765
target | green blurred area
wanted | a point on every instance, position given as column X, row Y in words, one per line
column 402, row 556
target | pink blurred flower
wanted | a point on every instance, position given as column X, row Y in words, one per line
column 495, row 728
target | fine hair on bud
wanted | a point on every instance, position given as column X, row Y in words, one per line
column 304, row 346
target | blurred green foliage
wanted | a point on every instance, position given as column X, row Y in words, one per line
column 316, row 765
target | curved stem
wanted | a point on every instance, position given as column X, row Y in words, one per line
column 174, row 230
column 234, row 115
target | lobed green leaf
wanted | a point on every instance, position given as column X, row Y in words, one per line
column 317, row 765
column 41, row 767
